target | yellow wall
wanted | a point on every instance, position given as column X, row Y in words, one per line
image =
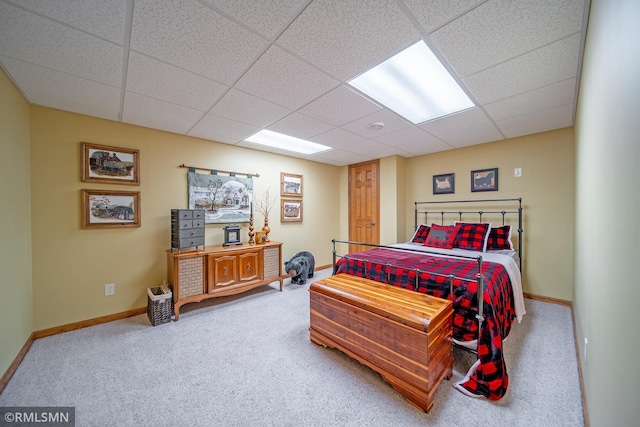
column 72, row 265
column 546, row 187
column 607, row 288
column 16, row 299
column 392, row 200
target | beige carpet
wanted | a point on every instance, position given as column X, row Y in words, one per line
column 248, row 361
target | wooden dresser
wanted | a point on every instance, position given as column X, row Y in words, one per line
column 403, row 335
column 222, row 270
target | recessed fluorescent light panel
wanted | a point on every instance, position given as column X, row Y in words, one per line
column 286, row 142
column 414, row 84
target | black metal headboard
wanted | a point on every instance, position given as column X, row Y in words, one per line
column 501, row 207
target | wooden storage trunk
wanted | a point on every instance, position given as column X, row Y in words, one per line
column 403, row 335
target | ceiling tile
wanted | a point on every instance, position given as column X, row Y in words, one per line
column 194, row 37
column 410, row 136
column 500, row 30
column 101, row 111
column 557, row 94
column 283, row 79
column 541, row 121
column 300, row 126
column 418, row 148
column 144, row 111
column 434, row 13
column 224, row 69
column 31, row 38
column 222, row 129
column 245, row 108
column 364, row 146
column 550, row 64
column 463, row 120
column 340, row 157
column 337, row 138
column 472, row 136
column 48, row 84
column 150, row 77
column 267, row 17
column 104, row 19
column 340, row 106
column 392, row 122
column 345, row 38
column 389, row 151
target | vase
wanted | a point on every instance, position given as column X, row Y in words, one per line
column 266, row 229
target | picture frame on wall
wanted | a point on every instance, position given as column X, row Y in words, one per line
column 290, row 210
column 290, row 185
column 484, row 180
column 110, row 209
column 108, row 164
column 444, row 183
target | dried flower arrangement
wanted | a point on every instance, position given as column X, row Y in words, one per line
column 265, row 205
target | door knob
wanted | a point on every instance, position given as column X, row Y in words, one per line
column 373, row 223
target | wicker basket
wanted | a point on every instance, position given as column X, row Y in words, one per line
column 159, row 305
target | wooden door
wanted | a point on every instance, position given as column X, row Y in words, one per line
column 364, row 205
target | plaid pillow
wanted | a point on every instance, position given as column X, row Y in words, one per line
column 441, row 236
column 421, row 234
column 500, row 239
column 472, row 236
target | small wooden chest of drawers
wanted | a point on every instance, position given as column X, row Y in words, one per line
column 187, row 228
column 403, row 335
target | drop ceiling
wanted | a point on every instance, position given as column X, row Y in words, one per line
column 224, row 69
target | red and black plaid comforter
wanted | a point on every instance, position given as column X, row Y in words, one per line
column 398, row 268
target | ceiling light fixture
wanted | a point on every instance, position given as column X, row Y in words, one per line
column 414, row 84
column 286, row 142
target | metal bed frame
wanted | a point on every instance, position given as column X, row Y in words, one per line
column 479, row 276
column 480, row 213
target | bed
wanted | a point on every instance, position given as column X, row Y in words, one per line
column 464, row 251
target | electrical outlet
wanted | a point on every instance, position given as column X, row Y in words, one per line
column 109, row 289
column 517, row 172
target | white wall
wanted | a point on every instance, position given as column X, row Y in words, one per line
column 607, row 286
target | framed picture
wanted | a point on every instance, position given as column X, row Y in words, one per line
column 290, row 185
column 102, row 163
column 225, row 199
column 110, row 209
column 444, row 184
column 291, row 210
column 484, row 180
